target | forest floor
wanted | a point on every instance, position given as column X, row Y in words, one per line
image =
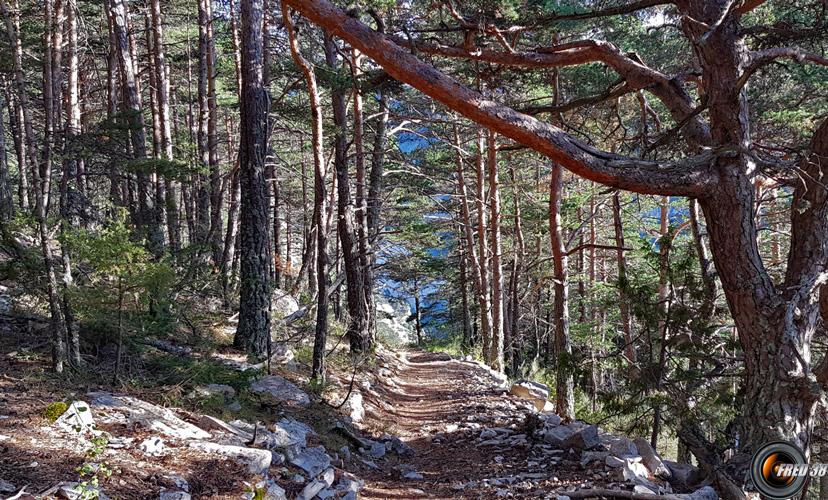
column 470, row 438
column 438, row 406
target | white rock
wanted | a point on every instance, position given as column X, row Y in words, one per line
column 174, row 495
column 276, row 389
column 312, row 461
column 643, row 490
column 209, row 390
column 354, row 406
column 153, row 445
column 283, row 304
column 311, row 490
column 256, row 460
column 535, row 392
column 652, row 460
column 413, row 475
column 216, row 424
column 281, row 354
column 155, row 418
column 7, row 487
column 76, row 418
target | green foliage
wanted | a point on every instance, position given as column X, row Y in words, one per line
column 53, row 411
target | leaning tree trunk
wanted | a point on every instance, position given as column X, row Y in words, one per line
column 564, row 394
column 253, row 334
column 319, row 199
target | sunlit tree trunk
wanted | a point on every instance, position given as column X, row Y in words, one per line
column 496, row 349
column 320, row 201
column 564, row 394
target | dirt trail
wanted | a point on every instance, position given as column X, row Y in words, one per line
column 439, row 407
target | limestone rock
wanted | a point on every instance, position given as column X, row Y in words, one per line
column 684, row 476
column 283, row 304
column 535, row 392
column 256, row 460
column 216, row 424
column 129, row 410
column 174, row 495
column 572, row 436
column 153, row 445
column 6, row 487
column 651, row 459
column 278, row 390
column 211, row 390
column 312, row 461
column 76, row 418
column 281, row 354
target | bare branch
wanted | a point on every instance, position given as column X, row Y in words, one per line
column 691, row 177
column 611, row 11
column 762, row 58
column 748, row 5
column 613, row 92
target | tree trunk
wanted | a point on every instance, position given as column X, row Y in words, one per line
column 320, row 199
column 150, row 229
column 623, row 286
column 564, row 394
column 6, row 199
column 496, row 349
column 253, row 334
column 357, row 332
column 486, row 318
column 162, row 91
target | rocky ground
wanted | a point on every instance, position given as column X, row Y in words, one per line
column 414, row 425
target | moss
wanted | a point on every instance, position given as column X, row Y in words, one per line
column 53, row 411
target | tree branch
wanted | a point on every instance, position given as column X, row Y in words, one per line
column 762, row 58
column 636, row 74
column 692, row 177
column 610, row 11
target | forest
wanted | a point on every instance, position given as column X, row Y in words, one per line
column 413, row 249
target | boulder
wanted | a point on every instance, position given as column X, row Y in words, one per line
column 587, row 457
column 619, row 446
column 256, row 460
column 312, row 460
column 214, row 390
column 283, row 304
column 684, row 477
column 281, row 354
column 278, row 390
column 535, row 392
column 216, row 424
column 76, row 418
column 318, row 487
column 614, row 462
column 354, row 406
column 580, row 438
column 651, row 459
column 129, row 410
